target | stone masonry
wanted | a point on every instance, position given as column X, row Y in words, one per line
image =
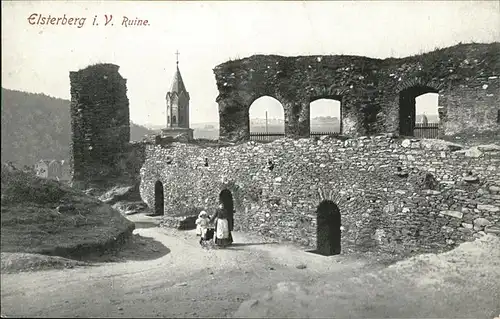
column 100, row 124
column 394, row 194
column 380, row 208
column 376, row 96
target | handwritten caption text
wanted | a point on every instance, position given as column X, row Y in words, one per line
column 104, row 20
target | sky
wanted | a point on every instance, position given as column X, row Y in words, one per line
column 38, row 58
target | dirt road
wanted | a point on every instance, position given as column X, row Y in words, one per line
column 165, row 273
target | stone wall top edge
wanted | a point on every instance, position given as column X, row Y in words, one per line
column 469, row 49
column 399, row 144
column 109, row 67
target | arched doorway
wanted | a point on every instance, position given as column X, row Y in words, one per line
column 226, row 199
column 328, row 233
column 159, row 199
column 410, row 113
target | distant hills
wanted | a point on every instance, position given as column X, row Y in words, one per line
column 431, row 118
column 36, row 126
column 210, row 130
column 321, row 120
column 254, row 121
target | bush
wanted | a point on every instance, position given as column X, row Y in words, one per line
column 18, row 186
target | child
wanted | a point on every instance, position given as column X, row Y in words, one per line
column 202, row 225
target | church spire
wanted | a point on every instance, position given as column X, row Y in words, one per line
column 177, row 100
column 178, row 84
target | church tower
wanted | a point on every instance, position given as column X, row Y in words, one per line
column 177, row 107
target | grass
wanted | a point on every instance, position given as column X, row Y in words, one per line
column 31, row 223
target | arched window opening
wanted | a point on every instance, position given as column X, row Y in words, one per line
column 418, row 112
column 325, row 117
column 267, row 119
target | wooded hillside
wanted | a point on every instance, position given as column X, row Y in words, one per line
column 37, row 126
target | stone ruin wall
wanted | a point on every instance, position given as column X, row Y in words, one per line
column 379, row 209
column 467, row 78
column 100, row 124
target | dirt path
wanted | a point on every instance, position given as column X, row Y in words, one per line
column 165, row 273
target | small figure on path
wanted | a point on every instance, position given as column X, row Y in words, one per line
column 223, row 235
column 202, row 225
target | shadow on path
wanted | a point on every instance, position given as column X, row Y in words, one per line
column 146, row 224
column 314, row 251
column 252, row 244
column 138, row 248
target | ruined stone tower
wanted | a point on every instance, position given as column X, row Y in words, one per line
column 177, row 109
column 100, row 124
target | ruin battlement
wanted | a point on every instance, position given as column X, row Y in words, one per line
column 376, row 95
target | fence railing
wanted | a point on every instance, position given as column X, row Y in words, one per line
column 421, row 130
column 324, row 133
column 429, row 130
column 265, row 137
column 269, row 137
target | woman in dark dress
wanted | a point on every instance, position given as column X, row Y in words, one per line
column 221, row 218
